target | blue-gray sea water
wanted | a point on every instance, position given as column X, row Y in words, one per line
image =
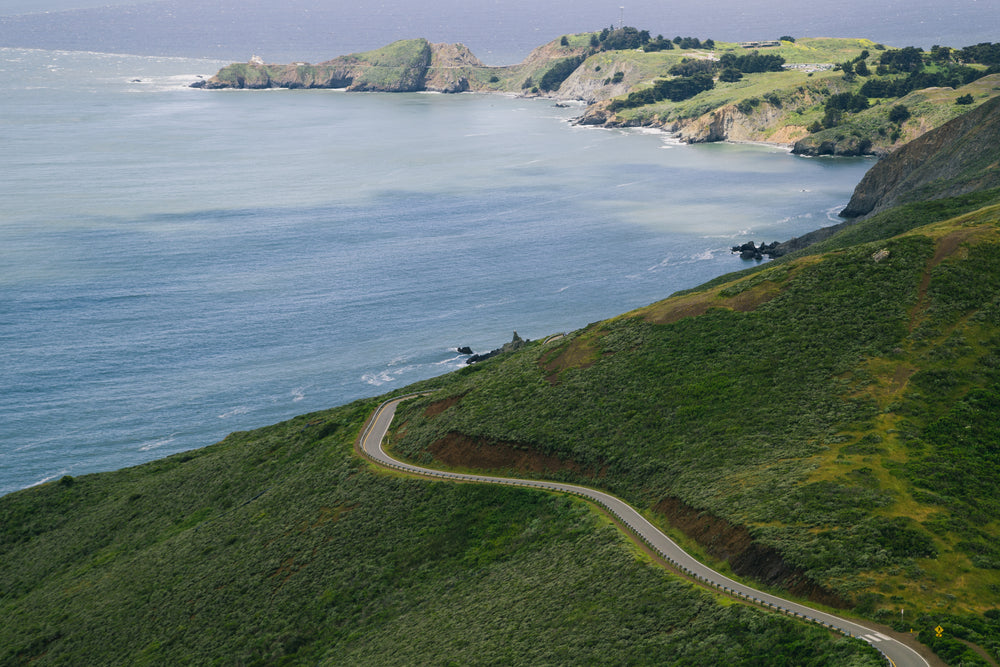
column 176, row 264
column 500, row 33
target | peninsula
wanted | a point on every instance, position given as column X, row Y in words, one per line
column 818, row 96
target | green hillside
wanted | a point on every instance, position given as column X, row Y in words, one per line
column 840, row 410
column 826, row 425
column 816, row 402
column 281, row 546
column 821, row 95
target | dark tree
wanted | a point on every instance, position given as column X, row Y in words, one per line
column 848, row 102
column 899, row 114
column 752, row 63
column 658, row 44
column 984, row 53
column 559, row 72
column 907, row 59
column 624, row 38
column 940, row 54
column 730, row 75
column 692, row 66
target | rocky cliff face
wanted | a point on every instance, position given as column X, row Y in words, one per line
column 592, row 82
column 961, row 156
column 728, row 123
column 451, row 68
column 753, row 120
column 404, row 66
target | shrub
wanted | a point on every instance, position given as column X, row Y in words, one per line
column 747, row 105
column 730, row 75
column 899, row 114
column 559, row 72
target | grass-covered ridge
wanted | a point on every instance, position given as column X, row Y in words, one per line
column 280, row 546
column 844, row 413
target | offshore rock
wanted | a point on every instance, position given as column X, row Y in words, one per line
column 515, row 344
column 751, row 251
column 846, row 146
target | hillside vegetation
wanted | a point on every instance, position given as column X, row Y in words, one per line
column 813, row 402
column 280, row 546
column 826, row 425
column 824, row 96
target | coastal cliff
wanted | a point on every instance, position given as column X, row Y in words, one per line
column 404, row 66
column 790, row 93
column 954, row 159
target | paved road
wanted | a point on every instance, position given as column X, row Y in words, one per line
column 897, row 653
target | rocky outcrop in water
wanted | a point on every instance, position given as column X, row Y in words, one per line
column 516, row 343
column 749, row 250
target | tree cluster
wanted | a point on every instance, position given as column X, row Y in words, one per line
column 729, row 67
column 952, row 76
column 984, row 53
column 559, row 72
column 752, row 63
column 658, row 44
column 692, row 66
column 693, row 43
column 901, row 61
column 621, row 39
column 840, row 104
column 675, row 90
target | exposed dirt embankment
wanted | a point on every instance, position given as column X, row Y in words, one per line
column 734, row 544
column 459, row 450
column 721, row 539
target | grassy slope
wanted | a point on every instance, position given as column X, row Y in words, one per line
column 786, row 85
column 783, row 104
column 280, row 546
column 843, row 409
column 930, row 108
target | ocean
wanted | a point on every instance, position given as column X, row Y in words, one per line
column 499, row 33
column 178, row 264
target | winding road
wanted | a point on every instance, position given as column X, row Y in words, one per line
column 895, row 651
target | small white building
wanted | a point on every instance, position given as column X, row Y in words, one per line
column 760, row 45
